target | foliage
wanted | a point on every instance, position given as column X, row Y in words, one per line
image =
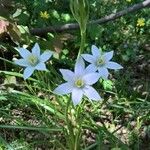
column 32, row 117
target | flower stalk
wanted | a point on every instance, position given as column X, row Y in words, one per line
column 83, row 38
column 80, row 11
column 74, row 127
column 70, row 133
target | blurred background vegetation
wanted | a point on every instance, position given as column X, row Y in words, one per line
column 125, row 110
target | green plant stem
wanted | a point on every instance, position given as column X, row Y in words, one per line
column 78, row 135
column 77, row 140
column 83, row 36
column 70, row 133
column 74, row 135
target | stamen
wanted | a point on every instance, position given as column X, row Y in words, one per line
column 79, row 83
column 100, row 61
column 33, row 60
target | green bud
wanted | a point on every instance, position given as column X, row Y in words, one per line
column 80, row 11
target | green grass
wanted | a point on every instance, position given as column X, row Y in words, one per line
column 32, row 117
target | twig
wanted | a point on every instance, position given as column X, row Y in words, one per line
column 73, row 26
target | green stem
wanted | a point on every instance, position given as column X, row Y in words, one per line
column 77, row 139
column 70, row 133
column 78, row 134
column 83, row 36
column 74, row 133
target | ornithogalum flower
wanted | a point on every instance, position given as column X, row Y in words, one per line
column 78, row 83
column 100, row 62
column 33, row 60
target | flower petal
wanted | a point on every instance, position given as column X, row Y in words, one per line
column 91, row 78
column 67, row 74
column 80, row 67
column 77, row 95
column 108, row 55
column 24, row 52
column 28, row 72
column 113, row 65
column 91, row 93
column 91, row 68
column 64, row 88
column 95, row 51
column 46, row 56
column 89, row 58
column 103, row 72
column 36, row 50
column 21, row 62
column 40, row 66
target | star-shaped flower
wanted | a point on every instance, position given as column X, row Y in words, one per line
column 33, row 60
column 44, row 15
column 140, row 22
column 100, row 62
column 78, row 83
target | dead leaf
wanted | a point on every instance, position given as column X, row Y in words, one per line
column 3, row 26
column 14, row 32
column 57, row 44
column 66, row 37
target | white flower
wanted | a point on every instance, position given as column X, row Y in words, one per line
column 33, row 60
column 78, row 83
column 100, row 62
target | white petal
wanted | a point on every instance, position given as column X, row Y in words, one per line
column 36, row 50
column 89, row 58
column 24, row 52
column 91, row 78
column 108, row 55
column 46, row 56
column 103, row 72
column 91, row 93
column 67, row 74
column 28, row 72
column 80, row 67
column 77, row 95
column 40, row 66
column 21, row 62
column 113, row 65
column 95, row 51
column 64, row 88
column 91, row 68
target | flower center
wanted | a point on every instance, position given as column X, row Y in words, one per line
column 79, row 83
column 33, row 60
column 100, row 61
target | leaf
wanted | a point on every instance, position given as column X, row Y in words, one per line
column 66, row 17
column 14, row 33
column 31, row 128
column 17, row 13
column 10, row 80
column 66, row 37
column 6, row 6
column 9, row 83
column 125, row 57
column 59, row 40
column 116, row 148
column 15, row 74
column 2, row 98
column 3, row 26
column 4, row 142
column 107, row 84
column 57, row 44
column 23, row 29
